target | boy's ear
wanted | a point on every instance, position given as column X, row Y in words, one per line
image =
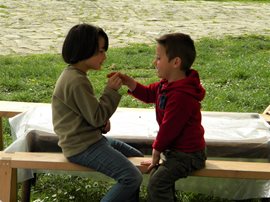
column 177, row 62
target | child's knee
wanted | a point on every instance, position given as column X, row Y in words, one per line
column 134, row 177
column 152, row 183
column 138, row 178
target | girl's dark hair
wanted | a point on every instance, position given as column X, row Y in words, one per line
column 179, row 45
column 81, row 43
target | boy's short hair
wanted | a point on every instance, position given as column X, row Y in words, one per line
column 81, row 43
column 179, row 45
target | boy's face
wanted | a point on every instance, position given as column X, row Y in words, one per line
column 96, row 60
column 163, row 66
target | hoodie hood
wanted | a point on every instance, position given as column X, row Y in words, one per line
column 190, row 85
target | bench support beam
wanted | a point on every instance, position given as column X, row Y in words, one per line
column 8, row 182
column 1, row 135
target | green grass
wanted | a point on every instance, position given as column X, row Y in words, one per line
column 234, row 70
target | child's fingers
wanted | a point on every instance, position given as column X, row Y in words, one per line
column 123, row 76
column 111, row 74
column 146, row 163
column 151, row 167
column 115, row 78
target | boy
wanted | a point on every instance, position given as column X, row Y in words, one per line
column 177, row 100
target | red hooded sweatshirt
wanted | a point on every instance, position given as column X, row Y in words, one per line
column 178, row 112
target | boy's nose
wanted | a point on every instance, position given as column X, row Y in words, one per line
column 154, row 63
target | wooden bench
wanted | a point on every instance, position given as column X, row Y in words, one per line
column 10, row 162
column 10, row 108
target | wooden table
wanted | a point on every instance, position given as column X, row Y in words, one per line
column 266, row 114
column 9, row 109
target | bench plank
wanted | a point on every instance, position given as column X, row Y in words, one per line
column 53, row 161
column 214, row 168
column 235, row 169
column 10, row 162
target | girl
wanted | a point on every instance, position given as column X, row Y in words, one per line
column 80, row 119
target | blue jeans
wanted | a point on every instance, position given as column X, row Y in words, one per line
column 109, row 157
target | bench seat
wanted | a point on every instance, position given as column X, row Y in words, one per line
column 10, row 162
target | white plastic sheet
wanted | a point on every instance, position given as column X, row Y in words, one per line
column 141, row 124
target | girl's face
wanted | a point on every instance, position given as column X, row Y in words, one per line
column 96, row 60
column 162, row 64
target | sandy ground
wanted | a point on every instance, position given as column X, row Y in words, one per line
column 39, row 26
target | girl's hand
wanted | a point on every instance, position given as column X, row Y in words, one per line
column 111, row 74
column 126, row 80
column 107, row 127
column 114, row 81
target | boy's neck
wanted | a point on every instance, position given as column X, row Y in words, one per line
column 179, row 75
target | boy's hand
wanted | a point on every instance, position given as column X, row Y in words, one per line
column 154, row 162
column 128, row 81
column 114, row 81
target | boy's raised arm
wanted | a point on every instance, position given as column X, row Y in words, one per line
column 126, row 80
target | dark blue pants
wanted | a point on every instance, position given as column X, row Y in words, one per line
column 176, row 165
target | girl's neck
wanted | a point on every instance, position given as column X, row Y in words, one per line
column 80, row 66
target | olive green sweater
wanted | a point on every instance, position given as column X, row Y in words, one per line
column 78, row 115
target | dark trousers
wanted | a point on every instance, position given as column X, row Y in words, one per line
column 176, row 165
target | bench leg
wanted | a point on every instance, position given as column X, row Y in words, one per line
column 8, row 182
column 26, row 189
column 1, row 135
